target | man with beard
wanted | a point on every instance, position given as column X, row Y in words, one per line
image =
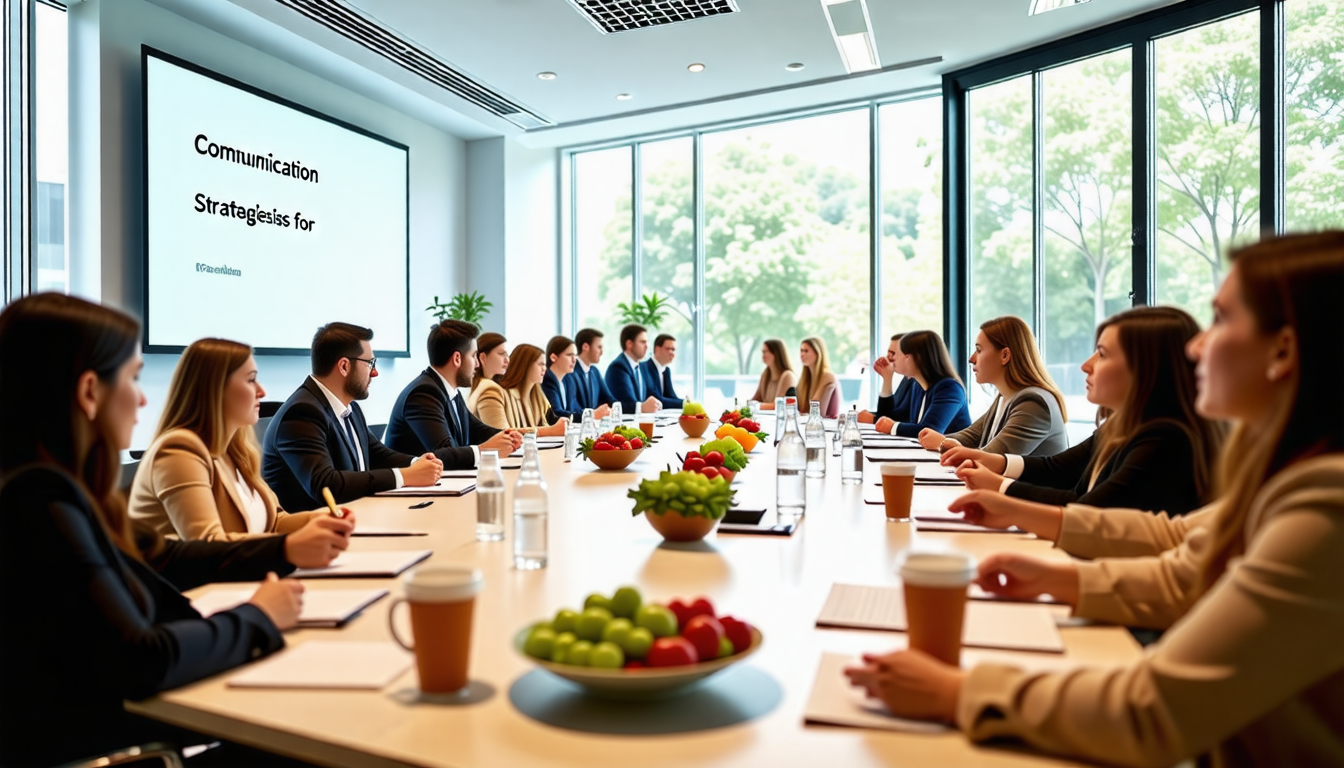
column 431, row 414
column 319, row 438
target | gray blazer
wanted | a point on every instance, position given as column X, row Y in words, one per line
column 1031, row 426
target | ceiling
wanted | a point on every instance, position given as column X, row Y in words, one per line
column 503, row 44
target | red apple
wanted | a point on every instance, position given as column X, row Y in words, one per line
column 704, row 632
column 682, row 611
column 694, row 464
column 702, row 607
column 738, row 632
column 672, row 652
column 713, row 459
column 693, row 455
column 710, row 472
column 634, row 664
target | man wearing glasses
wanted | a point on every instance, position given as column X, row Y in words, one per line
column 319, row 438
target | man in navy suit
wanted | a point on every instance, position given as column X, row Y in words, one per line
column 658, row 373
column 430, row 414
column 585, row 386
column 623, row 376
column 319, row 438
column 901, row 405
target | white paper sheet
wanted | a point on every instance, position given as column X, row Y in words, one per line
column 328, row 664
column 378, row 530
column 886, row 452
column 321, row 607
column 368, row 565
column 835, row 702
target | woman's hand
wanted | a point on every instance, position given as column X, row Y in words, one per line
column 281, row 601
column 884, row 425
column 977, row 478
column 932, row 439
column 995, row 510
column 911, row 683
column 1023, row 577
column 955, row 457
column 319, row 542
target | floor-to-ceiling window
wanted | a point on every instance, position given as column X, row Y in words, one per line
column 603, row 238
column 1314, row 101
column 667, row 247
column 50, row 268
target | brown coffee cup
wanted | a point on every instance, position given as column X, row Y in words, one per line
column 898, row 486
column 935, row 601
column 442, row 600
column 647, row 428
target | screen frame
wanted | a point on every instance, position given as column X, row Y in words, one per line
column 146, row 52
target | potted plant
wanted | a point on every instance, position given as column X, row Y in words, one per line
column 470, row 307
column 649, row 311
column 682, row 506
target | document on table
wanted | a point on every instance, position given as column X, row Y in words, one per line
column 952, row 522
column 321, row 607
column 377, row 530
column 936, row 474
column 446, row 486
column 835, row 702
column 472, row 473
column 328, row 664
column 1013, row 627
column 366, row 565
column 885, row 452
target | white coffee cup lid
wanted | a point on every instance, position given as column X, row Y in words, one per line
column 898, row 468
column 442, row 584
column 936, row 569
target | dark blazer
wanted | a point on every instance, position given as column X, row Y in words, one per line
column 1151, row 471
column 420, row 424
column 87, row 627
column 625, row 384
column 903, row 404
column 307, row 448
column 552, row 386
column 589, row 390
column 945, row 412
column 659, row 387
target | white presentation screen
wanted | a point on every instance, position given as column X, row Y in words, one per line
column 265, row 220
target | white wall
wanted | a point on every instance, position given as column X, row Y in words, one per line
column 107, row 184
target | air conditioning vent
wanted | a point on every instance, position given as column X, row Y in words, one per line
column 354, row 26
column 624, row 15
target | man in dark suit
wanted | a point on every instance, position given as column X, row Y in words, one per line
column 585, row 385
column 623, row 377
column 319, row 437
column 430, row 413
column 657, row 371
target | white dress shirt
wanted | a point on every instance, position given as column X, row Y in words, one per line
column 254, row 507
column 343, row 412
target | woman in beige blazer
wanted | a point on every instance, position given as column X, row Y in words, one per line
column 201, row 477
column 1250, row 588
column 518, row 401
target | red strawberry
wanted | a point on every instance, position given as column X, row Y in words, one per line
column 636, row 444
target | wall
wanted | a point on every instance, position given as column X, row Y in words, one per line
column 106, row 178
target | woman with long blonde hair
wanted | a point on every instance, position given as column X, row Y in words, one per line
column 518, row 401
column 817, row 382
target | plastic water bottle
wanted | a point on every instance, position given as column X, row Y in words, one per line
column 588, row 426
column 851, row 451
column 790, row 466
column 489, row 498
column 571, row 441
column 814, row 437
column 616, row 415
column 529, row 510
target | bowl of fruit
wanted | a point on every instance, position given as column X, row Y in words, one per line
column 717, row 458
column 682, row 506
column 740, row 426
column 623, row 648
column 694, row 421
column 616, row 449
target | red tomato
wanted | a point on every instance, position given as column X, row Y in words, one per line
column 714, row 459
column 694, row 464
column 738, row 632
column 709, row 472
column 704, row 632
column 692, row 455
column 673, row 652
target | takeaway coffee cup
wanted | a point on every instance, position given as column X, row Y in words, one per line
column 898, row 485
column 935, row 600
column 442, row 599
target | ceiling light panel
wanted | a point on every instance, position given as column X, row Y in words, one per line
column 624, row 15
column 1041, row 6
column 852, row 31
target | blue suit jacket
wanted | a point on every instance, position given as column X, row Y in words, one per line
column 587, row 390
column 903, row 404
column 661, row 389
column 552, row 386
column 945, row 412
column 625, row 384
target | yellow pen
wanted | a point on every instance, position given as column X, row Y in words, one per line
column 331, row 503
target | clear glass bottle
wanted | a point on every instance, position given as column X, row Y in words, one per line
column 489, row 498
column 529, row 510
column 790, row 466
column 616, row 415
column 851, row 451
column 588, row 429
column 814, row 437
column 778, row 431
column 571, row 440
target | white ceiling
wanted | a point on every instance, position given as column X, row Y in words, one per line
column 503, row 44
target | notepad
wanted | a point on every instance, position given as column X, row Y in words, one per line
column 366, row 565
column 835, row 702
column 321, row 607
column 328, row 664
column 1013, row 627
column 374, row 530
column 884, row 452
column 446, row 486
column 472, row 473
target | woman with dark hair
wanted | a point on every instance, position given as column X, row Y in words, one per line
column 517, row 401
column 492, row 358
column 1251, row 671
column 106, row 622
column 1151, row 449
column 939, row 403
column 777, row 376
column 562, row 356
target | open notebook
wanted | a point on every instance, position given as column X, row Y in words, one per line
column 446, row 486
column 327, row 664
column 366, row 565
column 835, row 702
column 321, row 607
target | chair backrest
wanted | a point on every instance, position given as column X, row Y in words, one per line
column 260, row 428
column 269, row 407
column 128, row 474
column 377, row 431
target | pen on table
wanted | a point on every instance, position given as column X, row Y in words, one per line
column 331, row 503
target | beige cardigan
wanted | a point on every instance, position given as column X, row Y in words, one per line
column 506, row 409
column 181, row 490
column 1251, row 673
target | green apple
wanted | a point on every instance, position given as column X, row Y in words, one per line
column 725, row 647
column 617, row 630
column 540, row 643
column 564, row 620
column 661, row 621
column 591, row 623
column 607, row 656
column 638, row 643
column 625, row 602
column 560, row 651
column 597, row 600
column 580, row 653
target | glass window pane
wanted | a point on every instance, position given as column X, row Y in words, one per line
column 603, row 230
column 52, row 146
column 1314, row 115
column 1088, row 170
column 787, row 251
column 911, row 145
column 1208, row 156
column 667, row 265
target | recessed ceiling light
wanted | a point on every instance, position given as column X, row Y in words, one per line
column 545, row 75
column 623, row 97
column 796, row 66
column 696, row 68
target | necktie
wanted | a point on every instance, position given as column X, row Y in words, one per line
column 667, row 382
column 564, row 402
column 354, row 440
column 459, row 438
column 639, row 383
column 586, row 395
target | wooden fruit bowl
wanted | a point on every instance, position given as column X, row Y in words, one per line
column 674, row 526
column 614, row 459
column 694, row 427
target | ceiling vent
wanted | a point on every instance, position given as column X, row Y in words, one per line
column 353, row 26
column 624, row 15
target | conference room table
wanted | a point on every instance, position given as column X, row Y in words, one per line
column 777, row 583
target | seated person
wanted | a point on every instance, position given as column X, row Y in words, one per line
column 817, row 381
column 899, row 405
column 777, row 378
column 94, row 604
column 1249, row 671
column 319, row 438
column 562, row 357
column 1027, row 417
column 658, row 373
column 1152, row 451
column 517, row 402
column 623, row 378
column 938, row 399
column 430, row 414
column 585, row 386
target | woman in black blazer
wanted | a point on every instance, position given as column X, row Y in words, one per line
column 93, row 610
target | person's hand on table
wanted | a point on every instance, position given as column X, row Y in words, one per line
column 911, row 683
column 956, row 456
column 1023, row 577
column 320, row 540
column 281, row 600
column 933, row 440
column 502, row 442
column 651, row 404
column 977, row 478
column 600, row 412
column 425, row 470
column 866, row 417
column 885, row 425
column 995, row 510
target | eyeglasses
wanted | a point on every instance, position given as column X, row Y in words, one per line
column 372, row 361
